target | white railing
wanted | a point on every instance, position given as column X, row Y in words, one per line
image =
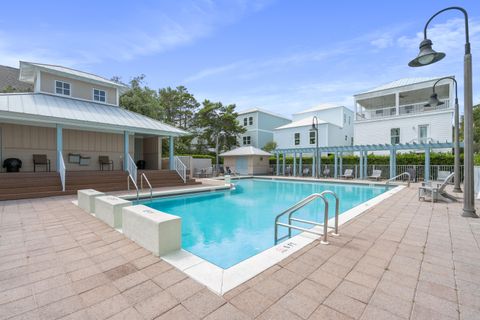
column 387, row 112
column 132, row 168
column 61, row 169
column 181, row 169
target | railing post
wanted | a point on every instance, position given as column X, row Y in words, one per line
column 278, row 164
column 294, row 164
column 300, row 165
column 426, row 177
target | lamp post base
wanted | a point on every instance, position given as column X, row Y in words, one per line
column 469, row 213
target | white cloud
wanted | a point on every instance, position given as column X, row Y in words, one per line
column 384, row 41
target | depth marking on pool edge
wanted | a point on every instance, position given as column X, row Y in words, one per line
column 285, row 247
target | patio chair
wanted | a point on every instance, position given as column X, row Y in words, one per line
column 376, row 175
column 208, row 172
column 105, row 161
column 326, row 172
column 306, row 171
column 41, row 160
column 348, row 174
column 288, row 171
column 436, row 193
column 442, row 175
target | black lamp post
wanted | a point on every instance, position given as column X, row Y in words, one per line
column 433, row 102
column 317, row 160
column 428, row 56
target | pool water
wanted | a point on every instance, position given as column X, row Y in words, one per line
column 226, row 227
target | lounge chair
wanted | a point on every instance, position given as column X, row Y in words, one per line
column 41, row 160
column 306, row 172
column 105, row 161
column 376, row 175
column 208, row 172
column 231, row 171
column 442, row 175
column 348, row 174
column 436, row 193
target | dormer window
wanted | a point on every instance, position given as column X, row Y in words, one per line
column 62, row 88
column 99, row 95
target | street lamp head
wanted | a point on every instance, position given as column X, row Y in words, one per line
column 433, row 101
column 426, row 55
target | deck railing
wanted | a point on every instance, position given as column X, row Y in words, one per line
column 387, row 112
column 181, row 169
column 61, row 169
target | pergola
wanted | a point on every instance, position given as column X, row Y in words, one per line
column 363, row 151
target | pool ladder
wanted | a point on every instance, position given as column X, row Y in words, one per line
column 290, row 211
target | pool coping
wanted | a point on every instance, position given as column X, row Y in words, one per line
column 221, row 280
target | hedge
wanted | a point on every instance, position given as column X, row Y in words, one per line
column 402, row 159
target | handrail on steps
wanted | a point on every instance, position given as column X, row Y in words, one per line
column 181, row 168
column 398, row 176
column 290, row 211
column 134, row 184
column 143, row 176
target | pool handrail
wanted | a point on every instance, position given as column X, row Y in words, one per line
column 290, row 211
column 129, row 177
column 398, row 176
column 143, row 176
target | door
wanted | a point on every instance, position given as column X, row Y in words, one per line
column 423, row 133
column 241, row 165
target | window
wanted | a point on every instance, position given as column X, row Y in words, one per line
column 423, row 133
column 346, row 138
column 297, row 138
column 351, row 141
column 312, row 137
column 395, row 135
column 245, row 121
column 247, row 140
column 250, row 120
column 62, row 88
column 99, row 95
column 344, row 118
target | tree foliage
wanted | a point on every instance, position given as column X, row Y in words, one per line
column 269, row 146
column 178, row 105
column 141, row 99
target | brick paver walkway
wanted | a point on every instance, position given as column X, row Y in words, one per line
column 403, row 259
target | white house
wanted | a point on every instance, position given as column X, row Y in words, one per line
column 260, row 125
column 335, row 128
column 396, row 113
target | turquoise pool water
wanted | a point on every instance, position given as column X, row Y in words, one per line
column 226, row 227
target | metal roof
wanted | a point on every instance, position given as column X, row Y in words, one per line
column 27, row 74
column 371, row 147
column 400, row 83
column 323, row 106
column 245, row 151
column 301, row 123
column 40, row 107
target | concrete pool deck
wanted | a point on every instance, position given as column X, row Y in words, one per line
column 402, row 259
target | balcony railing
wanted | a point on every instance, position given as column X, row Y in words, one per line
column 389, row 112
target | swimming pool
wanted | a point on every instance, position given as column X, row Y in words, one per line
column 227, row 227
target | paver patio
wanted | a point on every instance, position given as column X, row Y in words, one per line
column 402, row 259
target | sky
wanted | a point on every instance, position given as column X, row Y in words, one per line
column 283, row 56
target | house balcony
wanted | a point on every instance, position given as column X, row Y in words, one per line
column 403, row 110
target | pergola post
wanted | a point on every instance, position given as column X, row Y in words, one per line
column 294, row 164
column 319, row 163
column 300, row 169
column 361, row 165
column 283, row 163
column 125, row 150
column 335, row 163
column 278, row 163
column 314, row 167
column 427, row 165
column 392, row 157
column 365, row 162
column 171, row 154
column 341, row 163
column 394, row 162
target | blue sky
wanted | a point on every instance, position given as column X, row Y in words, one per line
column 283, row 56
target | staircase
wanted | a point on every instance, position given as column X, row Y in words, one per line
column 25, row 185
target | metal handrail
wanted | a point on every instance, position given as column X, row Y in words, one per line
column 181, row 168
column 142, row 176
column 61, row 169
column 290, row 211
column 129, row 177
column 398, row 176
column 132, row 168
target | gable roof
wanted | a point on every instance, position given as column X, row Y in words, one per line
column 27, row 74
column 262, row 111
column 400, row 83
column 323, row 106
column 301, row 123
column 245, row 151
column 40, row 107
column 9, row 77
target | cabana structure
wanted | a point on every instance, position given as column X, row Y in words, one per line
column 361, row 150
column 246, row 160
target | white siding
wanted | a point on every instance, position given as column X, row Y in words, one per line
column 378, row 131
column 285, row 138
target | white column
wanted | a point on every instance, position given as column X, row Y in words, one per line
column 397, row 103
column 126, row 147
column 59, row 144
column 294, row 164
column 171, row 153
